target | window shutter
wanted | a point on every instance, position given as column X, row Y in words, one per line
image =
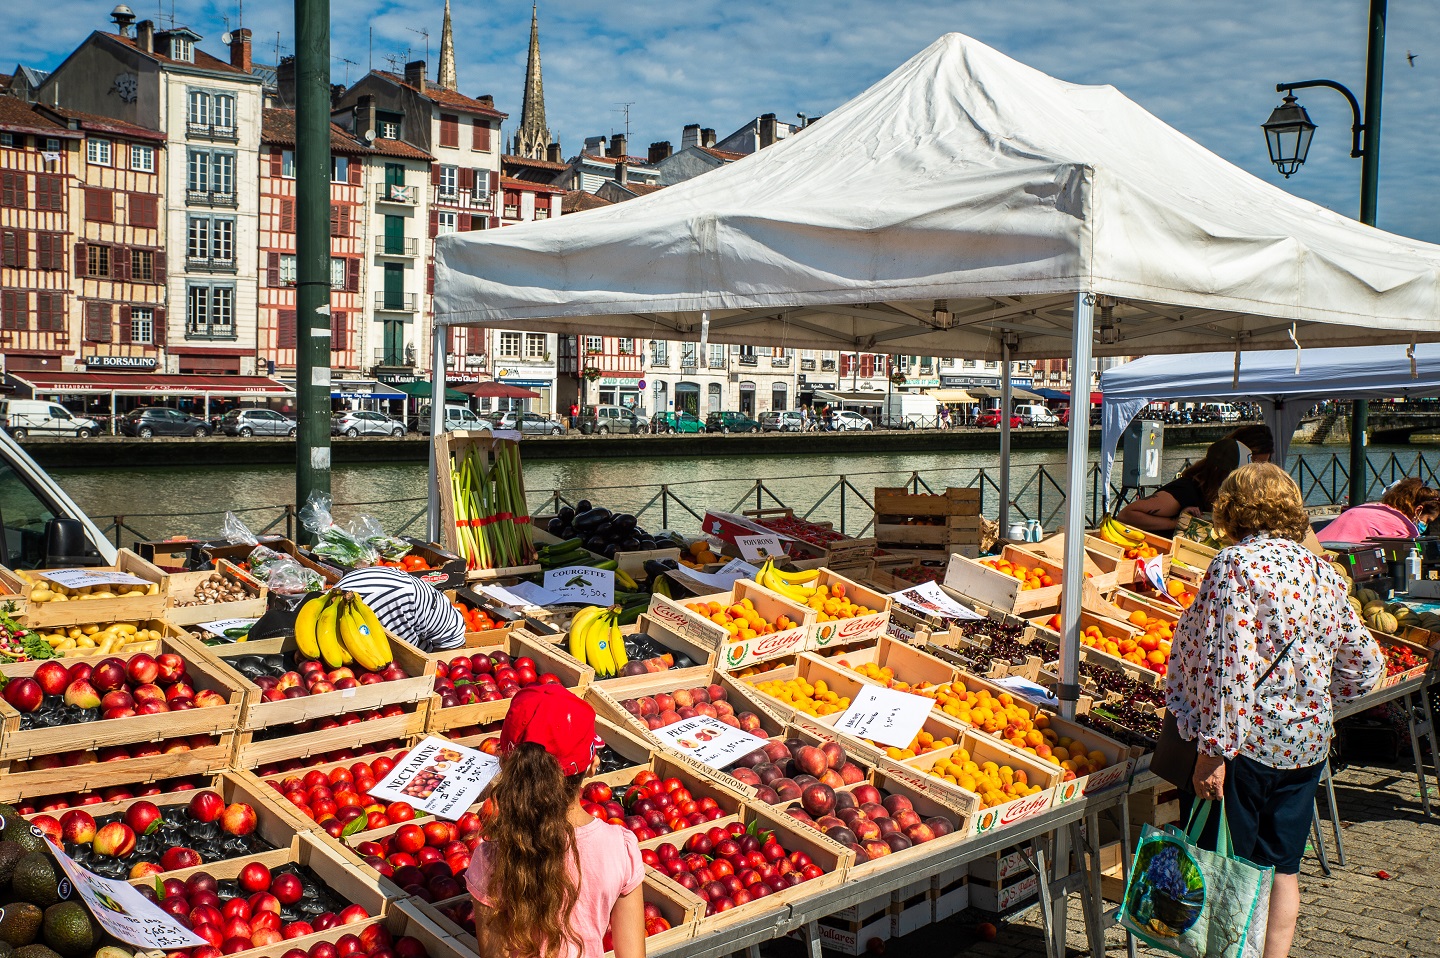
column 82, row 262
column 272, row 269
column 467, row 178
column 474, row 341
column 434, row 174
column 13, row 191
column 158, row 267
column 494, row 222
column 277, row 163
column 45, row 251
column 434, row 223
column 352, row 275
column 494, row 182
column 125, row 331
column 334, row 220
column 158, row 334
column 482, row 135
column 49, row 194
column 97, row 322
column 287, row 333
column 287, row 215
column 99, row 206
column 143, row 210
column 12, row 309
column 354, row 171
column 9, row 249
column 340, row 330
column 462, row 223
column 430, row 279
column 120, row 262
column 344, row 221
column 449, row 131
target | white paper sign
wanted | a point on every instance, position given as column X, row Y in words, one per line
column 885, row 716
column 533, row 594
column 439, row 777
column 122, row 911
column 709, row 741
column 759, row 548
column 221, row 626
column 83, row 578
column 723, row 580
column 1153, row 569
column 582, row 584
column 507, row 597
column 1026, row 688
column 928, row 599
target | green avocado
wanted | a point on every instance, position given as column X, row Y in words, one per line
column 10, row 854
column 20, row 924
column 69, row 929
column 36, row 880
column 35, row 951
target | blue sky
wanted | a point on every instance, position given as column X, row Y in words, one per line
column 1208, row 67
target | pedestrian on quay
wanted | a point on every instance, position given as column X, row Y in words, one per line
column 1259, row 660
column 549, row 879
column 944, row 417
column 1194, row 490
column 574, row 415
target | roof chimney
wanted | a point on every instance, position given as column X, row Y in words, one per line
column 240, row 49
column 690, row 137
column 707, row 138
column 659, row 151
column 365, row 122
column 622, row 170
column 553, row 154
column 145, row 36
column 767, row 130
column 617, row 145
column 415, row 74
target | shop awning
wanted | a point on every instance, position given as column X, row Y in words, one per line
column 1016, row 393
column 360, row 389
column 950, row 395
column 421, row 390
column 1050, row 394
column 148, row 384
column 850, row 399
column 494, row 390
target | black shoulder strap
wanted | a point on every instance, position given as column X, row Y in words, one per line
column 1275, row 662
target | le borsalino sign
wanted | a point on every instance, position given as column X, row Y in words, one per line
column 120, row 362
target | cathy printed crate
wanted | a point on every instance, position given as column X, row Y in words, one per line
column 186, row 587
column 732, row 652
column 50, row 602
column 678, row 642
column 1000, row 897
column 1048, row 629
column 812, row 669
column 856, row 630
column 973, row 579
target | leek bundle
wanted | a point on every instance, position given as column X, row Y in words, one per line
column 492, row 521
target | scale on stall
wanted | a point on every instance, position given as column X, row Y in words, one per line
column 1366, row 564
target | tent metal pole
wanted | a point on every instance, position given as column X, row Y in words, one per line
column 1077, row 459
column 437, row 418
column 1005, row 397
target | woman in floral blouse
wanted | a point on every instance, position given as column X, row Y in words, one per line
column 1262, row 746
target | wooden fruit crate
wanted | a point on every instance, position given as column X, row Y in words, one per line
column 1394, row 641
column 999, row 591
column 885, row 569
column 252, row 750
column 631, row 563
column 518, row 644
column 1158, row 805
column 892, row 501
column 184, row 584
column 857, row 630
column 1095, row 656
column 261, row 713
column 444, row 446
column 703, row 654
column 268, row 785
column 842, row 553
column 812, row 668
column 734, row 654
column 14, row 593
column 150, row 645
column 18, row 744
column 942, row 533
column 121, row 608
column 18, row 780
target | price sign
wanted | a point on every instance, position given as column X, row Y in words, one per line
column 582, row 585
column 222, row 626
column 709, row 741
column 122, row 911
column 759, row 548
column 505, row 596
column 84, row 578
column 885, row 716
column 928, row 599
column 1153, row 569
column 720, row 581
column 439, row 777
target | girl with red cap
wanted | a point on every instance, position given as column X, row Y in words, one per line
column 549, row 879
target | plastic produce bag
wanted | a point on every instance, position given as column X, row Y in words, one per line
column 290, row 577
column 1188, row 901
column 262, row 559
column 367, row 529
column 335, row 543
column 237, row 532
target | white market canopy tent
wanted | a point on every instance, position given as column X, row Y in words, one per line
column 1285, row 382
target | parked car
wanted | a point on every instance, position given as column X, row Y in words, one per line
column 682, row 422
column 257, row 422
column 148, row 421
column 1221, row 412
column 364, row 422
column 528, row 423
column 608, row 419
column 1035, row 414
column 782, row 421
column 848, row 420
column 990, row 419
column 730, row 422
column 457, row 417
column 33, row 417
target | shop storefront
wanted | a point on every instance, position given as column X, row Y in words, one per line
column 687, row 398
column 620, row 391
column 544, row 405
column 779, row 396
column 747, row 398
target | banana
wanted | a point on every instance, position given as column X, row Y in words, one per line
column 358, row 638
column 332, row 653
column 771, row 581
column 798, row 578
column 597, row 646
column 1117, row 533
column 626, row 581
column 379, row 636
column 575, row 642
column 305, row 640
column 617, row 641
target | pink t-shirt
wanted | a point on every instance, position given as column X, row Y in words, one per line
column 610, row 866
column 1367, row 521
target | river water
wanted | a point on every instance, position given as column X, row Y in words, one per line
column 192, row 500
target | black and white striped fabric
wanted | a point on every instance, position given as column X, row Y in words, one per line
column 408, row 608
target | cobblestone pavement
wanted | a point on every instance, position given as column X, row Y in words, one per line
column 1352, row 914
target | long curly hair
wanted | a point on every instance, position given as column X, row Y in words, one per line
column 532, row 845
column 1411, row 496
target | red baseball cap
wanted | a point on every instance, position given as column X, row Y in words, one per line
column 557, row 719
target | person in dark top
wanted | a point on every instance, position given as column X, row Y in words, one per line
column 1194, row 490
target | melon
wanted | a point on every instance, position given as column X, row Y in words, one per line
column 1382, row 621
column 1372, row 608
column 1343, row 572
column 1366, row 596
column 1355, row 604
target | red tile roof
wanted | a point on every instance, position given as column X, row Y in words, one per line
column 725, row 155
column 278, row 128
column 529, row 161
column 203, row 60
column 509, row 182
column 103, row 124
column 448, row 98
column 640, row 189
column 17, row 115
column 399, row 149
column 632, row 161
column 578, row 201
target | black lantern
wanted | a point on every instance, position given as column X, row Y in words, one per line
column 1287, row 135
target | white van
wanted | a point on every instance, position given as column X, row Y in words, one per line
column 1035, row 414
column 911, row 411
column 34, row 417
column 457, row 417
column 1222, row 411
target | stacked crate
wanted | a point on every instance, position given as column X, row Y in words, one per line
column 928, row 525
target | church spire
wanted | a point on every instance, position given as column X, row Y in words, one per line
column 446, row 78
column 533, row 137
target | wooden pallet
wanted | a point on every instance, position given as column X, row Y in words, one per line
column 463, row 442
column 892, row 501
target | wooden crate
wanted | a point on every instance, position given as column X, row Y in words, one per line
column 1045, row 628
column 631, row 563
column 184, row 584
column 703, row 654
column 268, row 784
column 444, row 446
column 1394, row 641
column 890, row 501
column 812, row 668
column 18, row 780
column 971, row 579
column 14, row 593
column 153, row 646
column 885, row 571
column 1158, row 806
column 857, row 630
column 838, row 553
column 18, row 744
column 122, row 608
column 253, row 750
column 518, row 644
column 262, row 713
column 733, row 654
column 939, row 532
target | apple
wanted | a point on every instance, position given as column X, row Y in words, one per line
column 353, row 914
column 239, row 819
column 53, row 677
column 171, row 666
column 297, row 929
column 264, row 902
column 26, row 694
column 207, row 698
column 115, row 840
column 145, row 870
column 181, row 689
column 143, row 817
column 117, row 699
column 254, row 876
column 147, row 693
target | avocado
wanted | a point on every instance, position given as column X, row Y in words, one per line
column 20, row 924
column 5, row 950
column 22, row 833
column 69, row 929
column 109, row 951
column 35, row 880
column 10, row 853
column 35, row 951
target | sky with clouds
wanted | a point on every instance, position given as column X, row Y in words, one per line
column 1207, row 67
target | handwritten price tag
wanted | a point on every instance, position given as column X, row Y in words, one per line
column 123, row 912
column 759, row 548
column 439, row 777
column 582, row 584
column 709, row 741
column 84, row 578
column 885, row 716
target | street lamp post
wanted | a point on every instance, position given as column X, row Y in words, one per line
column 1287, row 136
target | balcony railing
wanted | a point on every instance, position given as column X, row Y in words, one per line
column 476, row 199
column 749, row 359
column 397, row 193
column 827, row 365
column 210, row 264
column 808, row 365
column 211, row 198
column 395, row 246
column 212, row 131
column 780, row 362
column 387, row 302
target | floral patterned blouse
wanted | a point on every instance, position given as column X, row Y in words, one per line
column 1254, row 598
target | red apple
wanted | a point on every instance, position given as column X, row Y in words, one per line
column 143, row 817
column 287, row 888
column 206, row 806
column 79, row 693
column 78, row 827
column 53, row 677
column 26, row 694
column 145, row 870
column 109, row 675
column 177, row 857
column 50, row 827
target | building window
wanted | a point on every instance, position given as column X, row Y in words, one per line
column 449, row 181
column 142, row 265
column 142, row 324
column 449, row 131
column 7, row 139
column 659, row 352
column 688, row 354
column 97, row 261
column 142, row 158
column 593, row 344
column 339, row 169
column 337, row 272
column 50, row 250
column 389, row 126
column 211, row 241
column 210, row 177
column 182, row 49
column 210, row 312
column 481, row 140
column 717, row 356
column 535, row 346
column 98, row 152
column 99, row 322
column 510, row 345
column 445, row 223
column 199, row 115
column 99, row 206
column 15, row 309
column 287, row 164
column 143, row 210
column 52, row 145
column 224, row 121
column 747, row 356
column 287, row 269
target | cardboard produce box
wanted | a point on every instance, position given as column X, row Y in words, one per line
column 736, row 653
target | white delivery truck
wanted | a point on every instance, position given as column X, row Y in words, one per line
column 40, row 526
column 910, row 411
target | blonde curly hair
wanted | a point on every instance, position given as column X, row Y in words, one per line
column 1260, row 497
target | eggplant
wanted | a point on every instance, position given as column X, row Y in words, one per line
column 604, row 530
column 555, row 525
column 625, row 521
column 595, row 544
column 609, row 550
column 631, row 544
column 568, row 532
column 586, row 523
column 565, row 514
column 583, row 506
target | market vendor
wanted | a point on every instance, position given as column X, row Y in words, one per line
column 409, row 608
column 1403, row 512
column 1194, row 490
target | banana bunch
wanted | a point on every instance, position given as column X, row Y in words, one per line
column 792, row 585
column 595, row 639
column 339, row 628
column 1118, row 533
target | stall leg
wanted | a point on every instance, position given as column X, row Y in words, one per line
column 1319, row 837
column 112, row 412
column 1077, row 464
column 1329, row 781
column 1093, row 898
column 1422, row 725
column 811, row 931
column 1004, row 514
column 437, row 419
